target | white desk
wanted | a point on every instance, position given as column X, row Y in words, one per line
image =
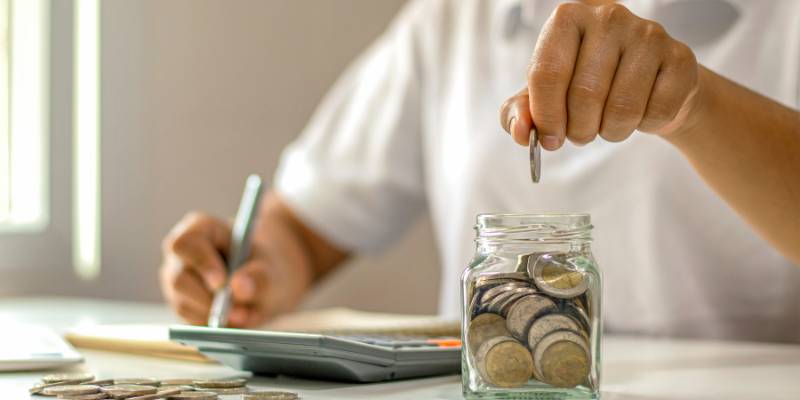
column 633, row 369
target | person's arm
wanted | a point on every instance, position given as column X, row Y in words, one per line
column 599, row 70
column 747, row 147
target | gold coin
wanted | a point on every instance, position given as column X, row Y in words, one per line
column 502, row 361
column 546, row 359
column 551, row 323
column 524, row 311
column 557, row 276
column 484, row 327
column 565, row 364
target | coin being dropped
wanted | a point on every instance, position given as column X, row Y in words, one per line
column 535, row 155
column 502, row 361
column 561, row 359
column 556, row 277
column 70, row 390
column 220, row 383
column 524, row 311
column 271, row 395
column 551, row 323
column 77, row 376
column 483, row 327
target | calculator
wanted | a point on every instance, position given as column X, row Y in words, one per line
column 350, row 358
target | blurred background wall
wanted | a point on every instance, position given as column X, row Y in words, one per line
column 196, row 94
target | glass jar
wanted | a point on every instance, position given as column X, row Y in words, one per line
column 531, row 321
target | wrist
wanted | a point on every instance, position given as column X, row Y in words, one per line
column 691, row 119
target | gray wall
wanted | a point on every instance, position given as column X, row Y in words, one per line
column 197, row 94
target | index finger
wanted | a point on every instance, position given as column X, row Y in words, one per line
column 199, row 242
column 550, row 73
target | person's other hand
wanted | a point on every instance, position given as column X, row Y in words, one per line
column 600, row 69
column 193, row 268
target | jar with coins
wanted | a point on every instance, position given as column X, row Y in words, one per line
column 531, row 321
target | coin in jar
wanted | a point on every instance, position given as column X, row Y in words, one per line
column 500, row 289
column 502, row 361
column 577, row 312
column 557, row 277
column 551, row 323
column 524, row 311
column 562, row 359
column 483, row 327
column 505, row 304
column 491, row 278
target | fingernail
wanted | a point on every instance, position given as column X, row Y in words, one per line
column 550, row 142
column 512, row 125
column 247, row 288
column 216, row 279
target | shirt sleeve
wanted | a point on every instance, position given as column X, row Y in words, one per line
column 355, row 174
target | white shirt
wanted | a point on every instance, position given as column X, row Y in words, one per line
column 414, row 124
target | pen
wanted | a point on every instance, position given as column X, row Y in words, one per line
column 240, row 249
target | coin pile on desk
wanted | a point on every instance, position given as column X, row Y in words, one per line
column 532, row 323
column 84, row 386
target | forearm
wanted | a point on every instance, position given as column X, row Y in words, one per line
column 747, row 148
column 316, row 253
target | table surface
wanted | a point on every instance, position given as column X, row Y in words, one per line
column 633, row 368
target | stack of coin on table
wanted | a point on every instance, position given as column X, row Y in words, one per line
column 532, row 323
column 84, row 386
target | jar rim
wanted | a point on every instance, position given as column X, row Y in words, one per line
column 540, row 227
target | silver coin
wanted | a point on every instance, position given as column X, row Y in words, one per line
column 271, row 395
column 551, row 323
column 194, row 396
column 578, row 313
column 557, row 276
column 535, row 156
column 77, row 376
column 177, row 381
column 129, row 390
column 70, row 390
column 220, row 383
column 524, row 311
column 137, row 381
column 161, row 394
column 93, row 396
column 36, row 389
column 225, row 391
